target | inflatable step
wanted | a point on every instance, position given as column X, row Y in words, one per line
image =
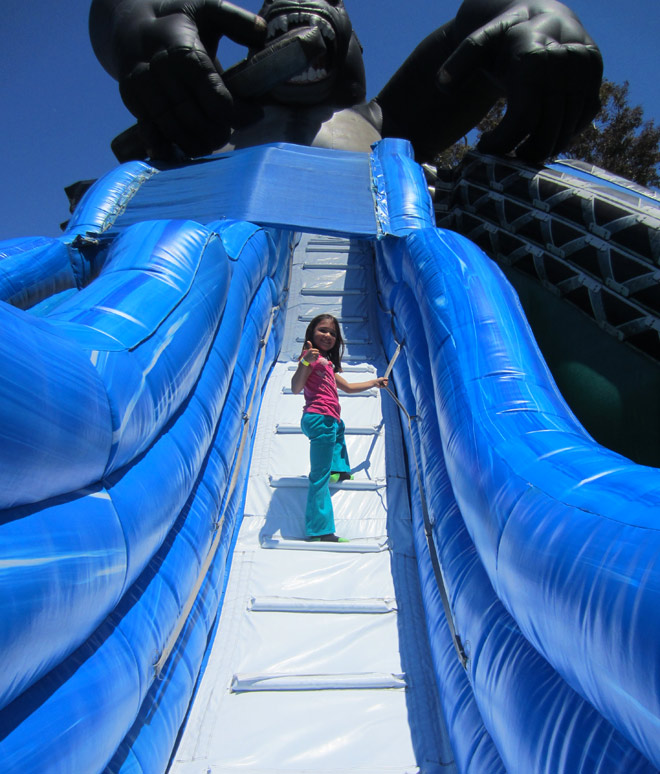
column 375, row 605
column 369, row 681
column 362, row 546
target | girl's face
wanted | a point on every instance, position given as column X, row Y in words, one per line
column 325, row 335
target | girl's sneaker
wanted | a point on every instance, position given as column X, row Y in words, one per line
column 336, row 477
column 329, row 538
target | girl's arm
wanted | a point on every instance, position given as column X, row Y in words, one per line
column 309, row 355
column 344, row 386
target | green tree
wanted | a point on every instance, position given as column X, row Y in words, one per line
column 619, row 139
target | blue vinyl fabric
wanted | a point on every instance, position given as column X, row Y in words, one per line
column 280, row 185
column 119, row 480
column 400, row 195
column 108, row 197
column 547, row 541
column 35, row 268
column 134, row 354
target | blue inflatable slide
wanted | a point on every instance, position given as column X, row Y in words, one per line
column 496, row 608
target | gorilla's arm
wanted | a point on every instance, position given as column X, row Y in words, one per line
column 162, row 52
column 534, row 52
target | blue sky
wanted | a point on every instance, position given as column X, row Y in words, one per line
column 60, row 109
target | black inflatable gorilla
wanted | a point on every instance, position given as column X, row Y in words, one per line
column 303, row 80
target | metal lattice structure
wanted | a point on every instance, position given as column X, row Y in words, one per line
column 586, row 235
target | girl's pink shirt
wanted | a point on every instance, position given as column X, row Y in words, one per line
column 320, row 390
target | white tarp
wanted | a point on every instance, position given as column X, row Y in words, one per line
column 320, row 662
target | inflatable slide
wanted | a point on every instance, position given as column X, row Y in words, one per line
column 496, row 608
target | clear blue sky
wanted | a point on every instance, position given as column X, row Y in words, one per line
column 60, row 109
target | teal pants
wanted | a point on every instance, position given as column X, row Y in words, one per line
column 327, row 454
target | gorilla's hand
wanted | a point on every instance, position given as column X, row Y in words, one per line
column 162, row 52
column 543, row 61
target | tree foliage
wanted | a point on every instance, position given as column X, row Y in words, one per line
column 618, row 139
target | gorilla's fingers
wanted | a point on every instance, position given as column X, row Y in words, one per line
column 573, row 110
column 518, row 121
column 156, row 144
column 592, row 76
column 479, row 49
column 197, row 114
column 542, row 142
column 239, row 25
column 570, row 88
column 183, row 97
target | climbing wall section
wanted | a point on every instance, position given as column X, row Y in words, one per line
column 316, row 665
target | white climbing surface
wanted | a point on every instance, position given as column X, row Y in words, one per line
column 320, row 662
